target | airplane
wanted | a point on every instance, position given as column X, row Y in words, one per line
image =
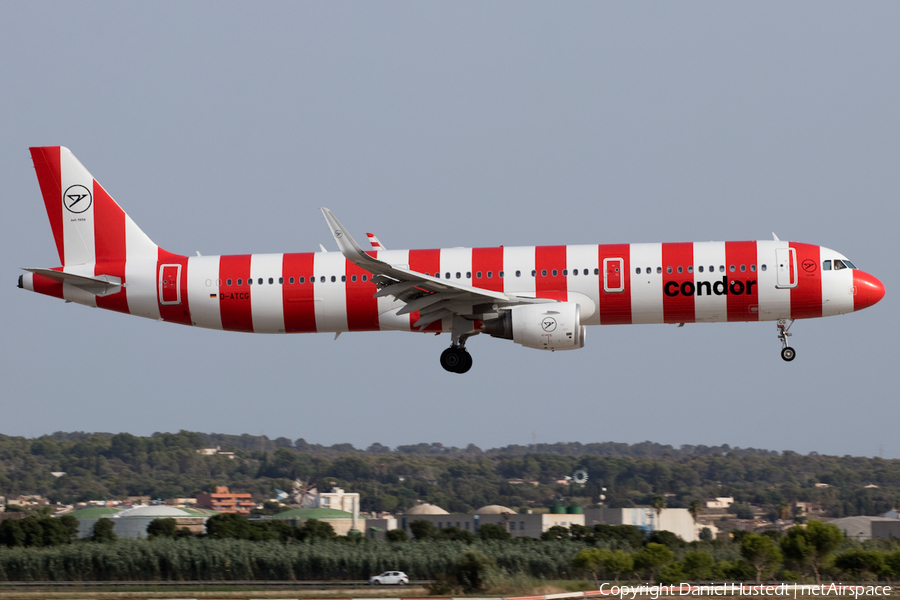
column 540, row 297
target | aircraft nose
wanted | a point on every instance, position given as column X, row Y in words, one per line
column 868, row 290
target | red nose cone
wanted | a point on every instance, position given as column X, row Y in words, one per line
column 868, row 290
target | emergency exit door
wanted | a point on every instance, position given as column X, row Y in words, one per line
column 170, row 284
column 786, row 267
column 613, row 277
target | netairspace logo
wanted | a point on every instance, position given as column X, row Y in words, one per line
column 794, row 590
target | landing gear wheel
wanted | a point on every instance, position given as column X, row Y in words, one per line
column 788, row 354
column 456, row 360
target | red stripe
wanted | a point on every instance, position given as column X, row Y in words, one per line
column 548, row 259
column 362, row 306
column 109, row 246
column 615, row 307
column 234, row 299
column 425, row 261
column 176, row 313
column 46, row 165
column 299, row 298
column 806, row 298
column 677, row 306
column 484, row 261
column 743, row 287
column 47, row 286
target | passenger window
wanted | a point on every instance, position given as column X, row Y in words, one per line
column 458, row 275
column 501, row 274
column 555, row 272
column 700, row 268
column 518, row 273
column 731, row 268
column 281, row 280
column 302, row 280
column 596, row 271
column 638, row 270
column 533, row 273
column 249, row 282
column 679, row 269
column 260, row 281
column 468, row 274
column 447, row 275
column 763, row 267
column 228, row 282
column 565, row 272
column 490, row 274
column 826, row 265
column 365, row 277
column 322, row 279
column 240, row 282
column 478, row 274
column 344, row 278
column 574, row 271
column 658, row 270
column 333, row 279
column 669, row 270
column 743, row 268
column 543, row 272
column 721, row 268
column 753, row 268
column 353, row 278
column 691, row 269
column 271, row 281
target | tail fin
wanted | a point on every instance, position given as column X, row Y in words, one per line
column 87, row 224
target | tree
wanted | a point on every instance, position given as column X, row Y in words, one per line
column 698, row 565
column 706, row 534
column 626, row 535
column 103, row 531
column 591, row 560
column 396, row 535
column 557, row 532
column 695, row 508
column 492, row 531
column 652, row 558
column 761, row 552
column 618, row 562
column 473, row 571
column 666, row 538
column 423, row 529
column 162, row 528
column 658, row 503
column 314, row 529
column 858, row 561
column 457, row 534
column 825, row 538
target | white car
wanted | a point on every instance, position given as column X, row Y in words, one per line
column 390, row 578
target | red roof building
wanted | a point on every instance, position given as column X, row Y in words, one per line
column 225, row 502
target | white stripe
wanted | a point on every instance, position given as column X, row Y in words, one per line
column 203, row 277
column 646, row 288
column 331, row 297
column 78, row 227
column 709, row 308
column 774, row 303
column 140, row 272
column 387, row 305
column 579, row 258
column 519, row 258
column 266, row 299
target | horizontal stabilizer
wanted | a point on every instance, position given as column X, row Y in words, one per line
column 101, row 285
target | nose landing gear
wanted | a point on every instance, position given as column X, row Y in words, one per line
column 787, row 353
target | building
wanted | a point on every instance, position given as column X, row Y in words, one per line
column 338, row 499
column 518, row 525
column 342, row 522
column 721, row 502
column 863, row 528
column 677, row 520
column 224, row 501
column 132, row 522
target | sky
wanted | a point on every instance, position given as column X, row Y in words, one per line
column 222, row 127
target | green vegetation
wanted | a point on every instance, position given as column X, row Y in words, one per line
column 167, row 465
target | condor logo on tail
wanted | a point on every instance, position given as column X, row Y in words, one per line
column 718, row 288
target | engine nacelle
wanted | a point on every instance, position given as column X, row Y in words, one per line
column 551, row 326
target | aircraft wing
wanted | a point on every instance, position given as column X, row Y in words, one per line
column 434, row 298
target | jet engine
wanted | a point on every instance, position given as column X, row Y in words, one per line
column 551, row 326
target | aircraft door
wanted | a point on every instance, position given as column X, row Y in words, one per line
column 786, row 265
column 170, row 284
column 613, row 277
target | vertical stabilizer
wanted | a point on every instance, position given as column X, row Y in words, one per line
column 88, row 226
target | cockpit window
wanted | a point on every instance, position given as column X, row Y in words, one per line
column 839, row 264
column 826, row 265
column 849, row 264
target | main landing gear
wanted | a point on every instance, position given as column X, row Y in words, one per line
column 456, row 359
column 787, row 353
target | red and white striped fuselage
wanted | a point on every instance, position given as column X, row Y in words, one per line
column 539, row 296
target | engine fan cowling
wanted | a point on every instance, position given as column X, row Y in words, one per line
column 554, row 326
